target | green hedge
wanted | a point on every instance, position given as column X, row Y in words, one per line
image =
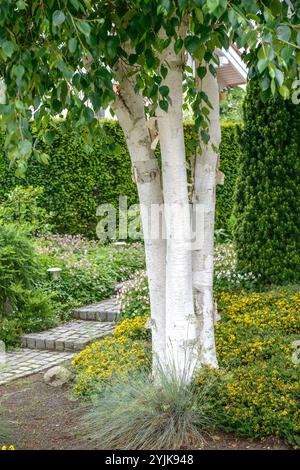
column 76, row 182
column 268, row 195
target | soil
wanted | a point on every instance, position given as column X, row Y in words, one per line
column 42, row 417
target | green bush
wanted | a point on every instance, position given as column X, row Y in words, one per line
column 23, row 307
column 21, row 205
column 268, row 190
column 76, row 182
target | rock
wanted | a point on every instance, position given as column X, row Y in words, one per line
column 57, row 376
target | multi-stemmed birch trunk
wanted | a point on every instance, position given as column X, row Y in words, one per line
column 129, row 108
column 180, row 277
column 181, row 328
column 204, row 196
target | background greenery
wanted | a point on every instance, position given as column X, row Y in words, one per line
column 77, row 181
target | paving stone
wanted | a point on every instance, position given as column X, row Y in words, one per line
column 39, row 361
column 101, row 311
column 45, row 349
column 73, row 336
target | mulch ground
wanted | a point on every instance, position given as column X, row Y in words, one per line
column 42, row 417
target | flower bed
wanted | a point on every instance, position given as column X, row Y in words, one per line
column 256, row 390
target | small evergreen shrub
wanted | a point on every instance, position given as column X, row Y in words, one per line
column 267, row 228
column 23, row 307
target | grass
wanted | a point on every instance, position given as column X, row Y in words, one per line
column 140, row 414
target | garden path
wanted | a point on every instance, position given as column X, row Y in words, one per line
column 45, row 349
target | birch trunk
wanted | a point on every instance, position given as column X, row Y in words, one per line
column 129, row 108
column 206, row 168
column 181, row 335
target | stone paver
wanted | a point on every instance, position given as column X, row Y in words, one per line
column 107, row 310
column 25, row 362
column 72, row 336
column 48, row 348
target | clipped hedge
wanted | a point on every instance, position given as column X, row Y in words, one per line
column 76, row 182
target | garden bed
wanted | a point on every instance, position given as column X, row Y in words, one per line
column 43, row 418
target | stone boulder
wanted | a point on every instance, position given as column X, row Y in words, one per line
column 57, row 376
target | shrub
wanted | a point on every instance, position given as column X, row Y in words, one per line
column 139, row 414
column 116, row 356
column 268, row 196
column 76, row 182
column 21, row 205
column 23, row 307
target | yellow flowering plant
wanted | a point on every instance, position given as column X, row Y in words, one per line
column 259, row 383
column 127, row 350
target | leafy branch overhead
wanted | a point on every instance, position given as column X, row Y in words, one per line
column 45, row 47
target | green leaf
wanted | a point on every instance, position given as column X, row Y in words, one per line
column 18, row 71
column 21, row 5
column 262, row 64
column 111, row 45
column 25, row 147
column 164, row 90
column 273, row 87
column 279, row 77
column 192, row 44
column 201, row 72
column 8, row 48
column 58, row 18
column 164, row 71
column 164, row 105
column 72, row 45
column 284, row 91
column 212, row 5
column 83, row 27
column 298, row 38
column 44, row 158
column 178, row 45
column 284, row 33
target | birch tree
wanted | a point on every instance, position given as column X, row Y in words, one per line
column 80, row 55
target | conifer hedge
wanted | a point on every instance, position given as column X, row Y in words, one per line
column 76, row 182
column 267, row 210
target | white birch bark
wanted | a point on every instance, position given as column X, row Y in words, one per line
column 181, row 332
column 206, row 169
column 129, row 108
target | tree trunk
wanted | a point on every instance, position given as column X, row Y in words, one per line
column 181, row 336
column 206, row 169
column 129, row 108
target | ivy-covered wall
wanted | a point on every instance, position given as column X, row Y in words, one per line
column 76, row 182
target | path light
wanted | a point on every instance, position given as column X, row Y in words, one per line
column 55, row 273
column 119, row 244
